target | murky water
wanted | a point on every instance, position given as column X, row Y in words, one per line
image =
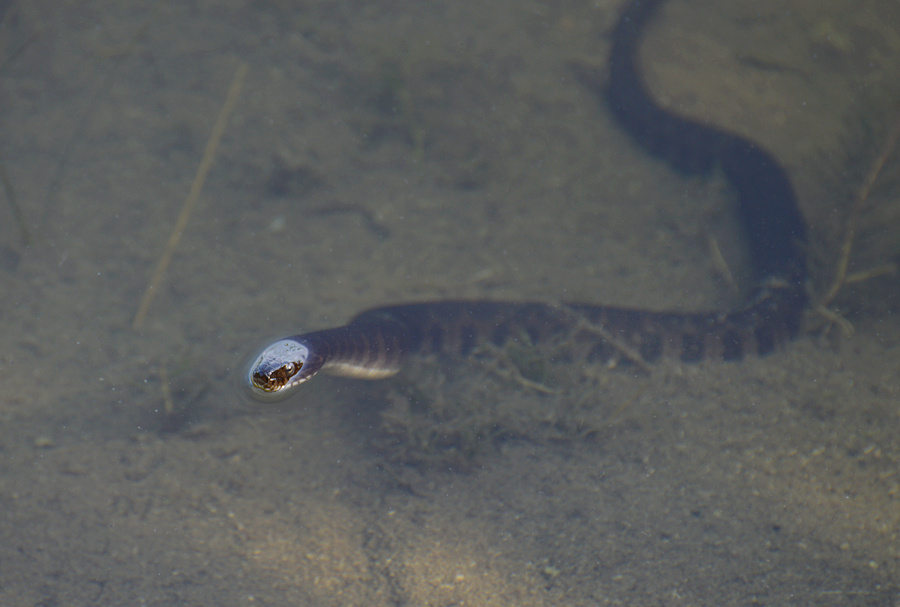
column 385, row 152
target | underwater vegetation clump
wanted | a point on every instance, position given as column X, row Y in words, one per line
column 450, row 412
column 855, row 258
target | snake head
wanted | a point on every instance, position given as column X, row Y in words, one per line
column 279, row 368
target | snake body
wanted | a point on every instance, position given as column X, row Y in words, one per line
column 375, row 343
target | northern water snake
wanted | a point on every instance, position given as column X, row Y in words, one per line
column 374, row 344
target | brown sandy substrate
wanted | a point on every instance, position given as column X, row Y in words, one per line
column 408, row 151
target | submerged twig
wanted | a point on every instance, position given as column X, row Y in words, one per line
column 841, row 277
column 14, row 204
column 191, row 201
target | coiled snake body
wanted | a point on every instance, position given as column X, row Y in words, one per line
column 374, row 343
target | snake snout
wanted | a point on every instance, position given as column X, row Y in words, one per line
column 274, row 379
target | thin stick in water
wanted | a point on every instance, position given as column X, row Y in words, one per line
column 189, row 204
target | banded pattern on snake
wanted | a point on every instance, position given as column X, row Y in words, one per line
column 375, row 343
